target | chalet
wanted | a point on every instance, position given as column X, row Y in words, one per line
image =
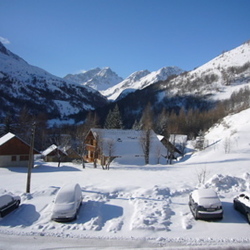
column 175, row 144
column 179, row 141
column 124, row 145
column 56, row 153
column 14, row 151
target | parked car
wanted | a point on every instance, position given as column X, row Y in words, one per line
column 242, row 204
column 67, row 203
column 8, row 203
column 205, row 204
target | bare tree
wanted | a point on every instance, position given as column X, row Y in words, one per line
column 98, row 148
column 145, row 138
column 158, row 153
column 202, row 175
column 110, row 147
column 145, row 141
column 80, row 141
column 227, row 145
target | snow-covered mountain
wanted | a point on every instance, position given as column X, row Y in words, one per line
column 23, row 85
column 218, row 78
column 198, row 89
column 140, row 80
column 99, row 79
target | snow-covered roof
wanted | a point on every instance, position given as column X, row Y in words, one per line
column 126, row 143
column 117, row 133
column 6, row 138
column 49, row 149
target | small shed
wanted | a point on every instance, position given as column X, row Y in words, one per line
column 56, row 153
column 14, row 152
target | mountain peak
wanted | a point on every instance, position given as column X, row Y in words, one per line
column 3, row 49
column 97, row 78
column 139, row 80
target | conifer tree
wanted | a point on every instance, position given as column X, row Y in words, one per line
column 113, row 120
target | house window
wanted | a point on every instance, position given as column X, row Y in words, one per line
column 13, row 158
column 24, row 157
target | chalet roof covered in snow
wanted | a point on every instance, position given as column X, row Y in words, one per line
column 127, row 143
column 53, row 147
column 6, row 138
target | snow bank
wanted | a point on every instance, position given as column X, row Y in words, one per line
column 228, row 183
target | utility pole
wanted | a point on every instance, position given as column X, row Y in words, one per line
column 31, row 157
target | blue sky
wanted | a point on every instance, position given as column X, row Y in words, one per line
column 67, row 36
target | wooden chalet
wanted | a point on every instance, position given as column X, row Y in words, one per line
column 14, row 152
column 56, row 153
column 103, row 144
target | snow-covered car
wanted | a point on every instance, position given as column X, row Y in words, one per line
column 67, row 203
column 8, row 203
column 242, row 204
column 205, row 204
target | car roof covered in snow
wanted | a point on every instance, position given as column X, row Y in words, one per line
column 244, row 198
column 5, row 199
column 66, row 193
column 204, row 193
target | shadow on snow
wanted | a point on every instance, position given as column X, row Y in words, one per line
column 25, row 215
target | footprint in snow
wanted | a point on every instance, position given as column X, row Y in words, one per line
column 187, row 221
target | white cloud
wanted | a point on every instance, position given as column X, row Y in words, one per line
column 4, row 40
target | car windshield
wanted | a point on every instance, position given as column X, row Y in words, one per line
column 5, row 199
column 210, row 200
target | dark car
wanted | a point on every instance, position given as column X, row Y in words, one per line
column 242, row 204
column 205, row 204
column 8, row 203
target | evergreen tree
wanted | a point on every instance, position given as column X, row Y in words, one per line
column 113, row 120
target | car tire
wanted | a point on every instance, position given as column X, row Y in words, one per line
column 248, row 218
column 196, row 214
column 235, row 206
column 17, row 204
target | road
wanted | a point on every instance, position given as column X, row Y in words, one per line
column 14, row 242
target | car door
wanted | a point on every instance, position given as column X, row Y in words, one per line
column 240, row 203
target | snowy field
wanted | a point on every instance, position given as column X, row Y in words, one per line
column 132, row 206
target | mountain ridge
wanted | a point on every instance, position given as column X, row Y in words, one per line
column 199, row 90
column 23, row 85
column 140, row 80
column 109, row 84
